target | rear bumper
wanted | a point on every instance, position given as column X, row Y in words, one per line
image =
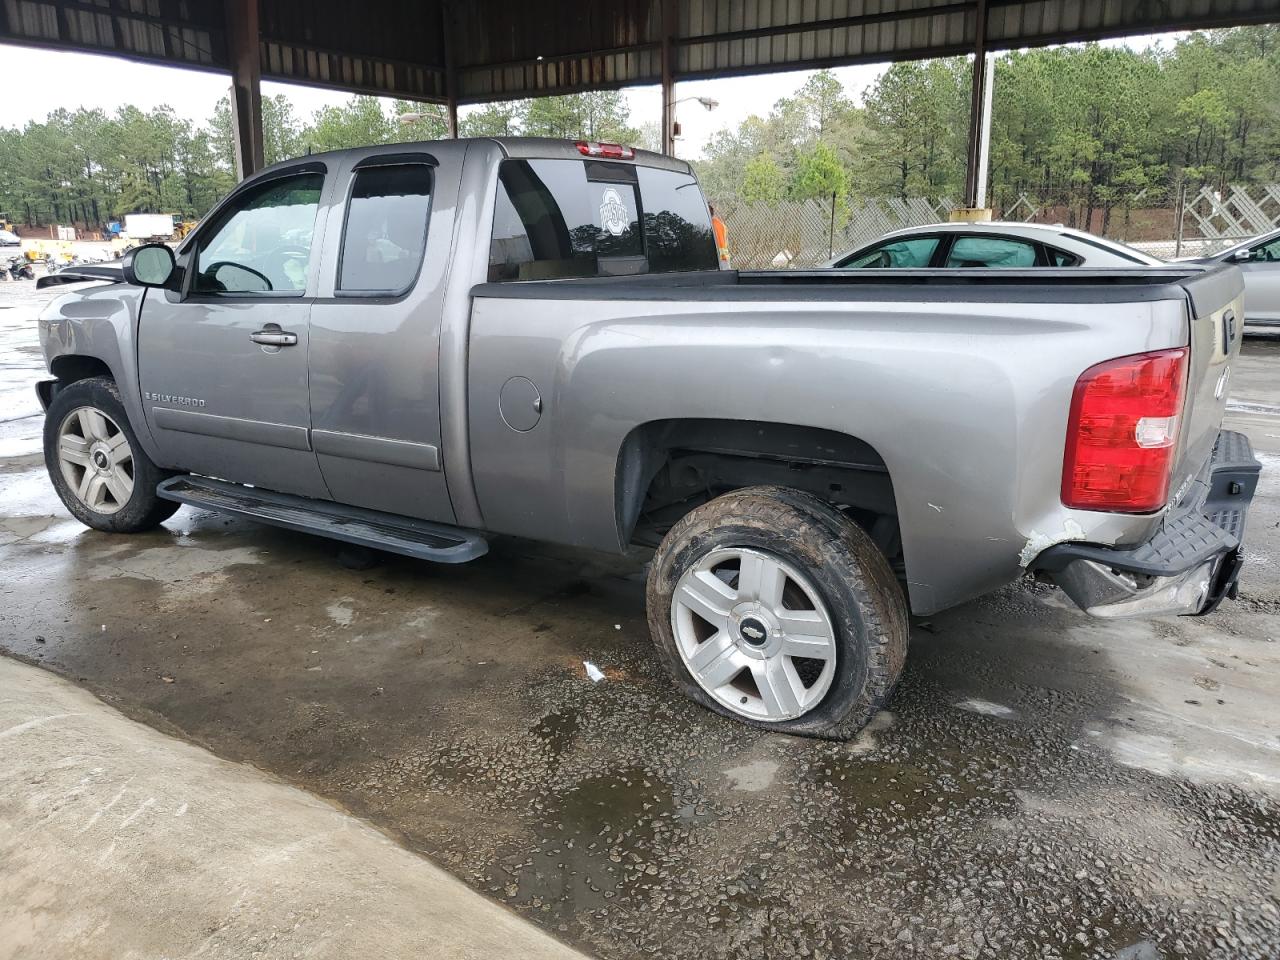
column 1189, row 565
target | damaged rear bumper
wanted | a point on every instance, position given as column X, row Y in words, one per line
column 1186, row 568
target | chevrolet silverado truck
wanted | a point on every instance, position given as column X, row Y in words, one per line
column 416, row 347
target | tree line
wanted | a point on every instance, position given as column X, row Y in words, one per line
column 1088, row 128
column 91, row 167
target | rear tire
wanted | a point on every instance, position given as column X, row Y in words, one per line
column 100, row 471
column 770, row 606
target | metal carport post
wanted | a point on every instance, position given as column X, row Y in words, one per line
column 246, row 86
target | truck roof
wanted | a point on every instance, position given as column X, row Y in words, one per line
column 525, row 148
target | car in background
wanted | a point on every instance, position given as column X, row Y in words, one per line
column 9, row 239
column 992, row 245
column 1259, row 261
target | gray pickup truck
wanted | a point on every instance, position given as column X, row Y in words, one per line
column 414, row 347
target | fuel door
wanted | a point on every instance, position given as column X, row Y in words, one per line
column 520, row 404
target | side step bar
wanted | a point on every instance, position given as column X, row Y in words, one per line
column 368, row 528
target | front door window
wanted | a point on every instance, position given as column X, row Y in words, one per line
column 261, row 243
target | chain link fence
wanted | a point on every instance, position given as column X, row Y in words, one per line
column 1179, row 222
column 809, row 233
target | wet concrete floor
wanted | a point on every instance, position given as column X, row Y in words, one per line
column 1042, row 785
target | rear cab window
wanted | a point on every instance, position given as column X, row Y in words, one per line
column 557, row 219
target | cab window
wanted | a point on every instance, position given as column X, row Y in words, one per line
column 542, row 226
column 261, row 242
column 571, row 218
column 677, row 223
column 386, row 229
column 912, row 252
column 991, row 252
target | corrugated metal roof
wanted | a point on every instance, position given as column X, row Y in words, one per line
column 505, row 49
column 372, row 47
column 185, row 32
column 495, row 49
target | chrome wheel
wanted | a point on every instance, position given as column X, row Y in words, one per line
column 754, row 633
column 96, row 459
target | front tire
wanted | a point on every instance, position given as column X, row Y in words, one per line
column 770, row 606
column 97, row 466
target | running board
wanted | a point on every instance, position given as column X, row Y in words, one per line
column 368, row 528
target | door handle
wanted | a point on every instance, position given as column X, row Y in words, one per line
column 273, row 336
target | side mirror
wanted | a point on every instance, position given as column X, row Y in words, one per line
column 1242, row 255
column 150, row 265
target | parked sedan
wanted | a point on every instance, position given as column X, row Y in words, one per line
column 1259, row 261
column 994, row 244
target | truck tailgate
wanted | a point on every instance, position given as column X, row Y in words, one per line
column 1215, row 304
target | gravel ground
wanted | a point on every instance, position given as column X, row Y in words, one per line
column 1042, row 785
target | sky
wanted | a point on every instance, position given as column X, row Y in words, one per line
column 61, row 79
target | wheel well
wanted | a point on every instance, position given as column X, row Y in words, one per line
column 668, row 467
column 73, row 367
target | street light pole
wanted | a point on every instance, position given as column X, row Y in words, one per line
column 671, row 128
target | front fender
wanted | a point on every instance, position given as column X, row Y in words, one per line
column 100, row 323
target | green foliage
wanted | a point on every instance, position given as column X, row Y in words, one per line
column 90, row 167
column 917, row 117
column 597, row 115
column 818, row 174
column 1086, row 128
column 763, row 180
column 492, row 120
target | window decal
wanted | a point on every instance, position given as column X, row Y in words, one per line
column 613, row 213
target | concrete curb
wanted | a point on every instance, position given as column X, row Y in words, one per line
column 117, row 841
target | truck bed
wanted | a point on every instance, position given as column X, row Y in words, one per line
column 1040, row 285
column 959, row 381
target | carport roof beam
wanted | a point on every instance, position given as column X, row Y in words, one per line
column 499, row 50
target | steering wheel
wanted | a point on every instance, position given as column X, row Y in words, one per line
column 213, row 268
column 282, row 255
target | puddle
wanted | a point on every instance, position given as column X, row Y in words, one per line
column 558, row 729
column 594, row 843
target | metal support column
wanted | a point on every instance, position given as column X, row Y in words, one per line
column 668, row 80
column 975, row 190
column 246, row 86
column 450, row 74
column 984, row 132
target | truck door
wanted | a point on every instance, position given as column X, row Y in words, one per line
column 223, row 362
column 375, row 335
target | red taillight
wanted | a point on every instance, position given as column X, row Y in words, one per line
column 610, row 151
column 1123, row 431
